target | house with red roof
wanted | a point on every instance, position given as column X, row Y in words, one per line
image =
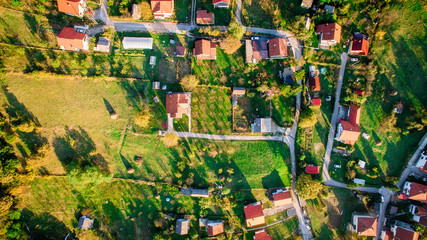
column 255, row 50
column 415, row 191
column 348, row 131
column 403, row 231
column 177, row 104
column 312, row 169
column 359, row 46
column 364, row 224
column 419, row 214
column 72, row 7
column 314, row 83
column 254, row 214
column 281, row 197
column 203, row 17
column 221, row 3
column 73, row 39
column 262, row 235
column 277, row 48
column 317, row 102
column 330, row 34
column 162, row 8
column 214, row 228
column 204, row 50
column 422, row 161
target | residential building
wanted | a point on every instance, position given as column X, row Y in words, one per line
column 72, row 7
column 254, row 214
column 221, row 3
column 317, row 102
column 256, row 50
column 214, row 228
column 203, row 17
column 262, row 235
column 237, row 92
column 314, row 83
column 415, row 191
column 262, row 125
column 306, row 4
column 193, row 192
column 330, row 9
column 312, row 169
column 403, row 231
column 422, row 161
column 204, row 50
column 180, row 51
column 177, row 104
column 85, row 222
column 162, row 9
column 419, row 214
column 330, row 34
column 103, row 45
column 348, row 131
column 137, row 43
column 282, row 197
column 364, row 224
column 182, row 226
column 359, row 46
column 73, row 39
column 277, row 48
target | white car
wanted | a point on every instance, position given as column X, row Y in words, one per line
column 255, row 38
column 354, row 59
column 337, row 166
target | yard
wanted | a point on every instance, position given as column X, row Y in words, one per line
column 222, row 15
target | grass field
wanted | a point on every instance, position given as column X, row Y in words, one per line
column 182, row 10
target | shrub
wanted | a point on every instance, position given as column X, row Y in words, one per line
column 142, row 118
column 189, row 83
column 170, row 140
column 230, row 45
column 307, row 118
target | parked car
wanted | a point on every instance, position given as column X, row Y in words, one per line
column 254, row 38
column 354, row 59
column 337, row 166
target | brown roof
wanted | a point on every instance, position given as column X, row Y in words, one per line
column 218, row 1
column 405, row 234
column 254, row 214
column 367, row 226
column 359, row 46
column 281, row 195
column 203, row 17
column 204, row 49
column 215, row 228
column 69, row 6
column 418, row 192
column 259, row 49
column 71, row 39
column 307, row 3
column 277, row 48
column 177, row 104
column 330, row 31
column 262, row 235
column 180, row 51
column 388, row 235
column 161, row 6
column 312, row 169
column 350, row 133
column 314, row 83
column 354, row 116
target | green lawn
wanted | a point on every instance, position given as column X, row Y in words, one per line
column 221, row 15
column 182, row 10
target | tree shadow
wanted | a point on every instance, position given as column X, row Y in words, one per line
column 136, row 92
column 44, row 226
column 109, row 108
column 272, row 180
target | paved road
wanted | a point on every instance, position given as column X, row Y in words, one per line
column 239, row 11
column 386, row 193
column 410, row 167
column 193, row 12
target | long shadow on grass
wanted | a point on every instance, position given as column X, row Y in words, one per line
column 44, row 226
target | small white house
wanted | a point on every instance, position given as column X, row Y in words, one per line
column 359, row 181
column 137, row 43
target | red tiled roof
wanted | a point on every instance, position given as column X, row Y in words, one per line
column 359, row 46
column 180, row 51
column 218, row 1
column 314, row 83
column 177, row 104
column 354, row 116
column 161, row 6
column 317, row 102
column 215, row 229
column 421, row 210
column 203, row 17
column 259, row 49
column 367, row 226
column 71, row 39
column 350, row 133
column 424, row 168
column 69, row 6
column 281, row 196
column 360, row 92
column 262, row 235
column 423, row 221
column 418, row 192
column 312, row 169
column 330, row 31
column 253, row 211
column 204, row 49
column 405, row 234
column 388, row 235
column 277, row 48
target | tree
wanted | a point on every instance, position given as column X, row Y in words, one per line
column 307, row 188
column 189, row 83
column 230, row 44
column 307, row 118
column 170, row 140
column 236, row 30
column 142, row 118
column 299, row 30
column 300, row 74
column 388, row 124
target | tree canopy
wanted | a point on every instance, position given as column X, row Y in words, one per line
column 307, row 118
column 307, row 188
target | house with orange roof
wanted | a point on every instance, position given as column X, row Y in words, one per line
column 162, row 9
column 221, row 3
column 177, row 104
column 359, row 46
column 281, row 197
column 73, row 39
column 348, row 131
column 214, row 228
column 330, row 34
column 415, row 191
column 261, row 235
column 277, row 48
column 72, row 7
column 364, row 224
column 254, row 214
column 314, row 83
column 204, row 49
column 203, row 17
